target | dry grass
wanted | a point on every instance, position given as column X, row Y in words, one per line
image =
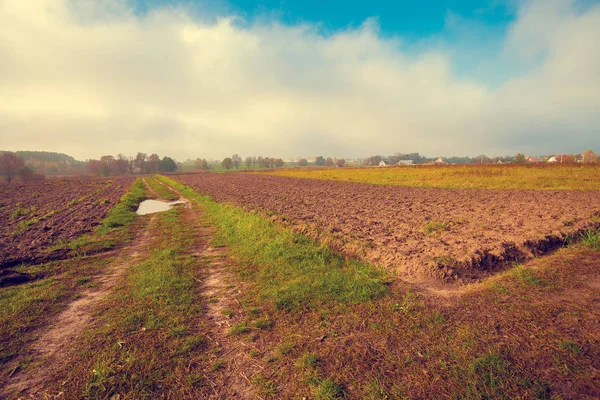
column 527, row 177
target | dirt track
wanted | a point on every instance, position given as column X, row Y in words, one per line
column 452, row 234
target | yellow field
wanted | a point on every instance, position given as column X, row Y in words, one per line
column 543, row 177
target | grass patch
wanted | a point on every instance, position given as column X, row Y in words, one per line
column 263, row 323
column 162, row 190
column 124, row 212
column 289, row 269
column 239, row 328
column 527, row 276
column 591, row 240
column 435, row 226
column 308, row 360
column 326, row 389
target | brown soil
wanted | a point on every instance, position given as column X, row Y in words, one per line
column 37, row 215
column 448, row 234
column 54, row 345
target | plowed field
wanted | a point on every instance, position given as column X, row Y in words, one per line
column 37, row 215
column 452, row 234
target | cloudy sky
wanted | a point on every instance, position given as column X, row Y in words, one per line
column 299, row 77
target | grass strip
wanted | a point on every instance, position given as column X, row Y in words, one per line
column 163, row 192
column 289, row 269
column 149, row 341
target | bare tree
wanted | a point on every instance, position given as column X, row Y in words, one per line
column 9, row 164
column 131, row 164
column 236, row 159
column 589, row 156
column 140, row 161
column 152, row 163
column 248, row 162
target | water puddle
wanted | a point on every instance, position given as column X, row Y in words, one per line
column 154, row 206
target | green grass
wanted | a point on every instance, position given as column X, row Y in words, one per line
column 239, row 329
column 591, row 239
column 528, row 177
column 289, row 270
column 527, row 276
column 124, row 212
column 145, row 337
column 434, row 226
column 162, row 191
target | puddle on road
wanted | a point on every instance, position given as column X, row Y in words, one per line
column 154, row 206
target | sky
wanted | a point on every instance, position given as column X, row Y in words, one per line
column 291, row 78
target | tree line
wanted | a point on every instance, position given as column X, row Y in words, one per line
column 141, row 163
column 236, row 161
column 12, row 166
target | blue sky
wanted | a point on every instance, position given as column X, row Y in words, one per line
column 300, row 78
column 411, row 19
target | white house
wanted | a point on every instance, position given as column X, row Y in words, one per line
column 382, row 164
column 553, row 159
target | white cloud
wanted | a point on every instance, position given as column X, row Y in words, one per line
column 92, row 78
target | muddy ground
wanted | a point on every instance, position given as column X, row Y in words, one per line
column 451, row 234
column 38, row 215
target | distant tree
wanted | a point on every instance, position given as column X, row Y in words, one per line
column 279, row 163
column 167, row 164
column 9, row 164
column 227, row 163
column 303, row 162
column 236, row 160
column 589, row 156
column 152, row 164
column 320, row 161
column 520, row 158
column 253, row 161
column 248, row 162
column 25, row 174
column 201, row 163
column 131, row 164
column 121, row 164
column 260, row 162
column 341, row 162
column 140, row 161
column 329, row 162
column 96, row 167
column 108, row 165
column 373, row 160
